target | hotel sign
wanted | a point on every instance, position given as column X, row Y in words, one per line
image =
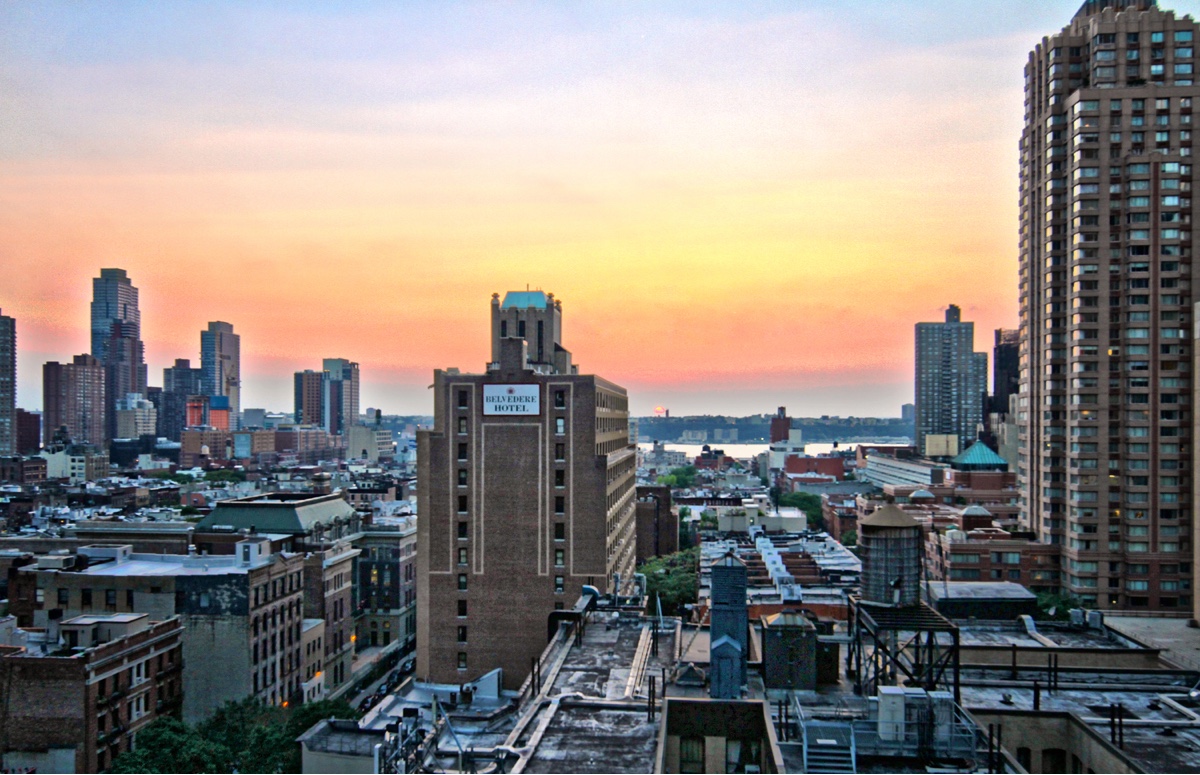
column 512, row 399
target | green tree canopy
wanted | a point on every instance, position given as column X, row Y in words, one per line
column 675, row 579
column 241, row 736
column 806, row 502
column 225, row 475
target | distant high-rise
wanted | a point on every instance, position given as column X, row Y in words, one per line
column 311, row 397
column 951, row 381
column 220, row 361
column 1105, row 410
column 179, row 382
column 343, row 399
column 117, row 339
column 73, row 396
column 125, row 371
column 114, row 300
column 1005, row 369
column 8, row 385
column 29, row 432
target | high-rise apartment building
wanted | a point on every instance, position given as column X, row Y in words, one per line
column 1006, row 368
column 114, row 300
column 951, row 382
column 343, row 397
column 179, row 382
column 311, row 397
column 221, row 365
column 8, row 385
column 526, row 494
column 124, row 372
column 117, row 340
column 1106, row 279
column 74, row 397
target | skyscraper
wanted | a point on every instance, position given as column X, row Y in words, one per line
column 525, row 487
column 117, row 341
column 951, row 381
column 124, row 371
column 8, row 385
column 343, row 400
column 221, row 363
column 179, row 382
column 1006, row 357
column 311, row 391
column 114, row 300
column 1106, row 279
column 73, row 396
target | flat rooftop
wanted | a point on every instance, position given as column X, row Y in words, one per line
column 583, row 739
column 174, row 565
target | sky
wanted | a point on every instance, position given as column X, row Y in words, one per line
column 741, row 205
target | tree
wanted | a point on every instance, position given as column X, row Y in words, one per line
column 241, row 736
column 168, row 745
column 1056, row 607
column 225, row 475
column 685, row 476
column 685, row 512
column 304, row 717
column 808, row 503
column 674, row 580
column 166, row 475
column 850, row 538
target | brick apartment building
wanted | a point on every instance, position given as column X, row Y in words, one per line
column 387, row 585
column 76, row 694
column 241, row 614
column 525, row 488
column 321, row 526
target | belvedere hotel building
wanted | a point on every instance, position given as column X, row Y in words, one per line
column 525, row 487
column 1107, row 286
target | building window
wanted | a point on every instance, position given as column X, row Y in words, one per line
column 560, row 531
column 462, row 451
column 462, row 477
column 462, row 556
column 129, row 599
column 560, row 451
column 462, row 424
column 559, row 582
column 560, row 504
column 462, row 608
column 85, row 595
column 560, row 425
column 462, row 582
column 462, row 636
column 560, row 557
column 110, row 598
column 462, row 660
column 462, row 509
column 560, row 399
column 462, row 527
column 560, row 478
column 64, row 597
column 462, row 399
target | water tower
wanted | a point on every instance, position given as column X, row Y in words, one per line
column 892, row 545
column 897, row 639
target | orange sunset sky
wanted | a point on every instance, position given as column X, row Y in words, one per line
column 741, row 205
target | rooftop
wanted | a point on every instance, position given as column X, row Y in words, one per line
column 524, row 300
column 341, row 737
column 291, row 513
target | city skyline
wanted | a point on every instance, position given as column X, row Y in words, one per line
column 696, row 157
